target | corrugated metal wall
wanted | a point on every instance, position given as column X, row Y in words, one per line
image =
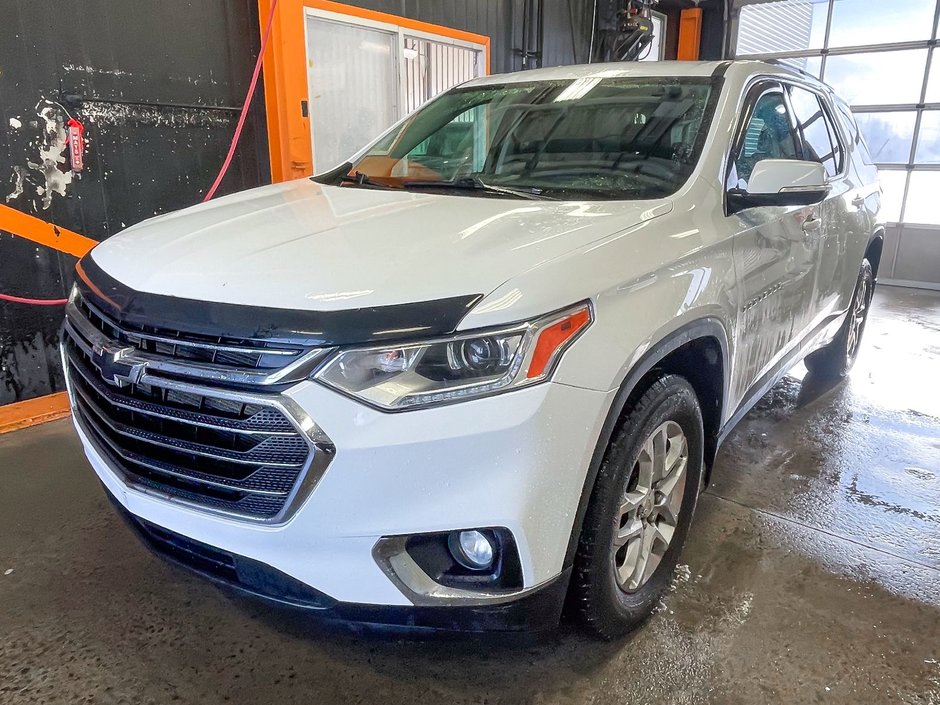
column 157, row 86
column 434, row 68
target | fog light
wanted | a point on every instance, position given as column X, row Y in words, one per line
column 472, row 549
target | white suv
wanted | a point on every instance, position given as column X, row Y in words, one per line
column 486, row 364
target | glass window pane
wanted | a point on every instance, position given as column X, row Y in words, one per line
column 928, row 142
column 785, row 25
column 892, row 184
column 878, row 78
column 817, row 142
column 888, row 135
column 852, row 129
column 933, row 83
column 923, row 207
column 353, row 87
column 857, row 22
column 768, row 136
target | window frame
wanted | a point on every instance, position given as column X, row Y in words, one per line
column 752, row 93
column 832, row 126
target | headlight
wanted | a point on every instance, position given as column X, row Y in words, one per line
column 467, row 366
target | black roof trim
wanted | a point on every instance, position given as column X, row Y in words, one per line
column 721, row 69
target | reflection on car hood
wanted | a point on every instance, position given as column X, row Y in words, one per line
column 302, row 245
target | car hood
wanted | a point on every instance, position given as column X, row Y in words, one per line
column 305, row 246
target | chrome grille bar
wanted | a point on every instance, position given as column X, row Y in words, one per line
column 201, row 420
column 294, row 364
column 167, row 469
column 253, row 458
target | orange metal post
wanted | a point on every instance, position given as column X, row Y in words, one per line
column 690, row 34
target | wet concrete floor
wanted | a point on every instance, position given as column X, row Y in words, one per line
column 812, row 575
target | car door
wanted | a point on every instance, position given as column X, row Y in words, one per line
column 773, row 249
column 822, row 143
column 863, row 172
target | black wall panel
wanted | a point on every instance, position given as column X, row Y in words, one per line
column 157, row 86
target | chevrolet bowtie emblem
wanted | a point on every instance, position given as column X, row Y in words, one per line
column 115, row 369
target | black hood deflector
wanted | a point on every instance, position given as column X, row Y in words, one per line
column 399, row 322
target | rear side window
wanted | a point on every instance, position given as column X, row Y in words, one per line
column 820, row 141
column 768, row 135
column 850, row 125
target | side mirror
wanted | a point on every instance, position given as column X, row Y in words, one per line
column 781, row 182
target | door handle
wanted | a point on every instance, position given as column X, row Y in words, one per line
column 812, row 225
column 858, row 201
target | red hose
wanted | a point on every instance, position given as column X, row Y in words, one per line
column 244, row 113
column 33, row 302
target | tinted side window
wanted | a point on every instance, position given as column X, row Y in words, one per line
column 768, row 135
column 844, row 113
column 819, row 137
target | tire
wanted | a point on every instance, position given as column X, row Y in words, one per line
column 608, row 592
column 836, row 359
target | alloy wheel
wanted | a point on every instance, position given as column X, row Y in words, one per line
column 649, row 508
column 857, row 320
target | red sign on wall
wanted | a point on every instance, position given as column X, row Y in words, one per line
column 76, row 144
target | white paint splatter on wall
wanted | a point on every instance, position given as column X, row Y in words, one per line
column 93, row 70
column 19, row 175
column 15, row 124
column 52, row 148
column 139, row 115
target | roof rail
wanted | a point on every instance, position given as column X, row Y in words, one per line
column 780, row 62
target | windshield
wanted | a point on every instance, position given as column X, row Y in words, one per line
column 609, row 138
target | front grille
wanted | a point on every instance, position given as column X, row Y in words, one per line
column 224, row 449
column 215, row 350
column 211, row 358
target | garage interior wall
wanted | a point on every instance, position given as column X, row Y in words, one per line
column 159, row 103
column 882, row 61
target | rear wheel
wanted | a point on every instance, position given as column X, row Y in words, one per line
column 836, row 359
column 640, row 509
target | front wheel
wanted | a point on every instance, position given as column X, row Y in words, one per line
column 836, row 359
column 640, row 509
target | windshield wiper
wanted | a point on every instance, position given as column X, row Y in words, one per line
column 360, row 179
column 472, row 183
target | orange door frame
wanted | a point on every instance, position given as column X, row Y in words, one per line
column 690, row 34
column 285, row 76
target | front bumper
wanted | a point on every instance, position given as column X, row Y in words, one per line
column 539, row 610
column 516, row 460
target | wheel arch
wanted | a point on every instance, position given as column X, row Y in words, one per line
column 703, row 339
column 875, row 248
